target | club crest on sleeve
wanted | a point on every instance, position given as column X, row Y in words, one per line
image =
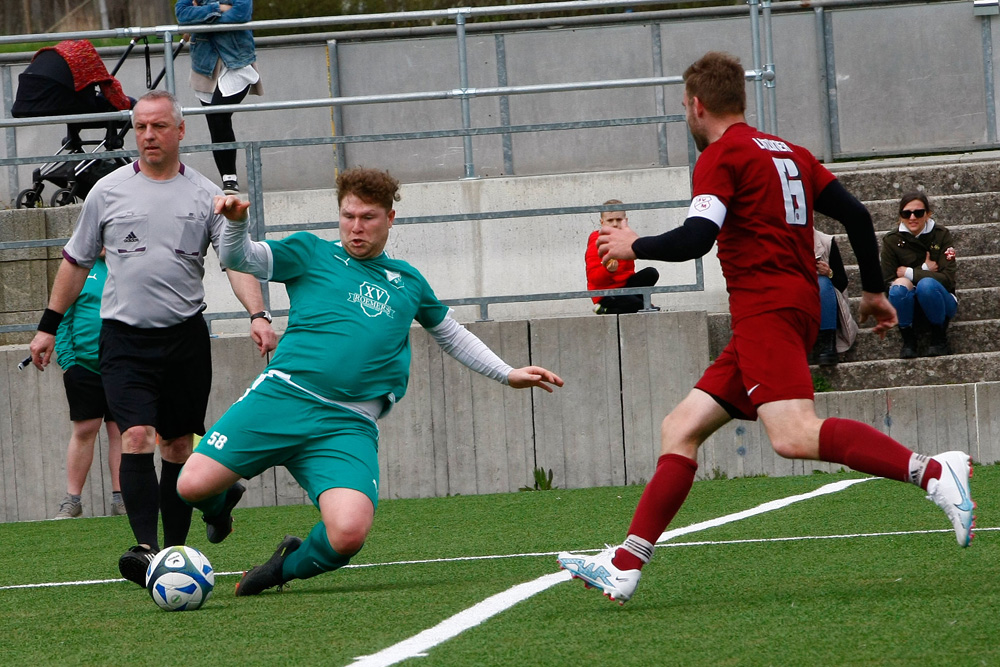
column 701, row 203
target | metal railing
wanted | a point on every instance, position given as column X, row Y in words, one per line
column 763, row 77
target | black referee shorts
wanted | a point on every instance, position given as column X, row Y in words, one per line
column 158, row 377
column 85, row 395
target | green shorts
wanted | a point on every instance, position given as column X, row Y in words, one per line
column 323, row 446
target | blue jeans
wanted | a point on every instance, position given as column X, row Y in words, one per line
column 934, row 300
column 827, row 304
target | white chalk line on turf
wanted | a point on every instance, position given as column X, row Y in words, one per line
column 536, row 554
column 419, row 644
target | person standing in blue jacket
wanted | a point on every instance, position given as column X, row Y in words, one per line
column 76, row 352
column 223, row 71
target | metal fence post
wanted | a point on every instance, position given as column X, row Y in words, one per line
column 506, row 140
column 769, row 69
column 830, row 63
column 336, row 111
column 991, row 109
column 168, row 62
column 11, row 134
column 257, row 226
column 661, row 106
column 824, row 89
column 463, row 79
column 758, row 84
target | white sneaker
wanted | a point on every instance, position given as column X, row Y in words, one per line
column 598, row 571
column 951, row 493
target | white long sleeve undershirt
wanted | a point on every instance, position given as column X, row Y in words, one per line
column 239, row 253
column 468, row 350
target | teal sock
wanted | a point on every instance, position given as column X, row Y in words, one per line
column 315, row 556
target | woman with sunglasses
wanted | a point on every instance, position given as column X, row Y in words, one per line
column 918, row 265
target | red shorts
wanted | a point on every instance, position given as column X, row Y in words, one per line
column 766, row 360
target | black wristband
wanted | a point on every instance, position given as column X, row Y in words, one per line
column 50, row 321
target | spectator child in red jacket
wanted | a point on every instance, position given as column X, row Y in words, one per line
column 613, row 273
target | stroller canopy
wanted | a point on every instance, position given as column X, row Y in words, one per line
column 68, row 78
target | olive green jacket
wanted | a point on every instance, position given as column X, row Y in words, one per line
column 901, row 248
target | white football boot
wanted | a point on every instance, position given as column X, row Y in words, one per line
column 951, row 493
column 598, row 571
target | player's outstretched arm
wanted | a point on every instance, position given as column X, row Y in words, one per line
column 877, row 306
column 470, row 351
column 836, row 202
column 691, row 240
column 533, row 376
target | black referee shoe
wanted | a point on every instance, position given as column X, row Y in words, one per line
column 218, row 527
column 134, row 562
column 268, row 575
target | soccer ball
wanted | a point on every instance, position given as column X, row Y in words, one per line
column 180, row 579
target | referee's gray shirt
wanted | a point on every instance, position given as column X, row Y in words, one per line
column 156, row 234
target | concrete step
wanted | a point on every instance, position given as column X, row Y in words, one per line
column 977, row 271
column 935, row 180
column 980, row 303
column 951, row 211
column 970, row 241
column 884, row 373
column 963, row 337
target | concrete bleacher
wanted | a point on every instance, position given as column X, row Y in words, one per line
column 964, row 193
column 456, row 432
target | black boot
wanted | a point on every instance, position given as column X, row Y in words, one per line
column 939, row 340
column 826, row 347
column 909, row 349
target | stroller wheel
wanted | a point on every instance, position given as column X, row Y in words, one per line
column 28, row 198
column 62, row 197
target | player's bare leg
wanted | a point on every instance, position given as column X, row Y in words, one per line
column 347, row 517
column 796, row 432
column 215, row 490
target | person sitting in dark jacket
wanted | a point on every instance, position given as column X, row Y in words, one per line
column 918, row 266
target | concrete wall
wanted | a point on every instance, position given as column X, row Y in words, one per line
column 530, row 255
column 457, row 432
column 918, row 86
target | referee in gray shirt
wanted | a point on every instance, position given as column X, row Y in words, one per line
column 155, row 217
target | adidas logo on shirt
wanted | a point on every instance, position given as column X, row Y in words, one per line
column 131, row 238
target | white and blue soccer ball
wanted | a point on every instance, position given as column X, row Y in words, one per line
column 180, row 579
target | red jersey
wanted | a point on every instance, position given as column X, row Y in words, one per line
column 598, row 276
column 760, row 190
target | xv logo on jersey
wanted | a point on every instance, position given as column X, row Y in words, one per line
column 374, row 300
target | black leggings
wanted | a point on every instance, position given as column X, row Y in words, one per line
column 220, row 127
column 631, row 303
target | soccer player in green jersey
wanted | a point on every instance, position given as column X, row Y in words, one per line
column 343, row 362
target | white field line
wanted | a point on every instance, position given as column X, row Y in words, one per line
column 419, row 644
column 536, row 554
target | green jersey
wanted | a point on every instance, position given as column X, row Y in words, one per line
column 80, row 330
column 348, row 334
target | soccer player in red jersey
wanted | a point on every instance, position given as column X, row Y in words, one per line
column 755, row 194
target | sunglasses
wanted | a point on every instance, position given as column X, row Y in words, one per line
column 919, row 212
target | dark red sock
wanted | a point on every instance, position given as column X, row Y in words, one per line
column 862, row 448
column 932, row 471
column 660, row 501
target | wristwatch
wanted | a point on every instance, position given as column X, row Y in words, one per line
column 266, row 315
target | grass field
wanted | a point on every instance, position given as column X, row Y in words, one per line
column 887, row 585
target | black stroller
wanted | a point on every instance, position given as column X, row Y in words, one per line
column 70, row 79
